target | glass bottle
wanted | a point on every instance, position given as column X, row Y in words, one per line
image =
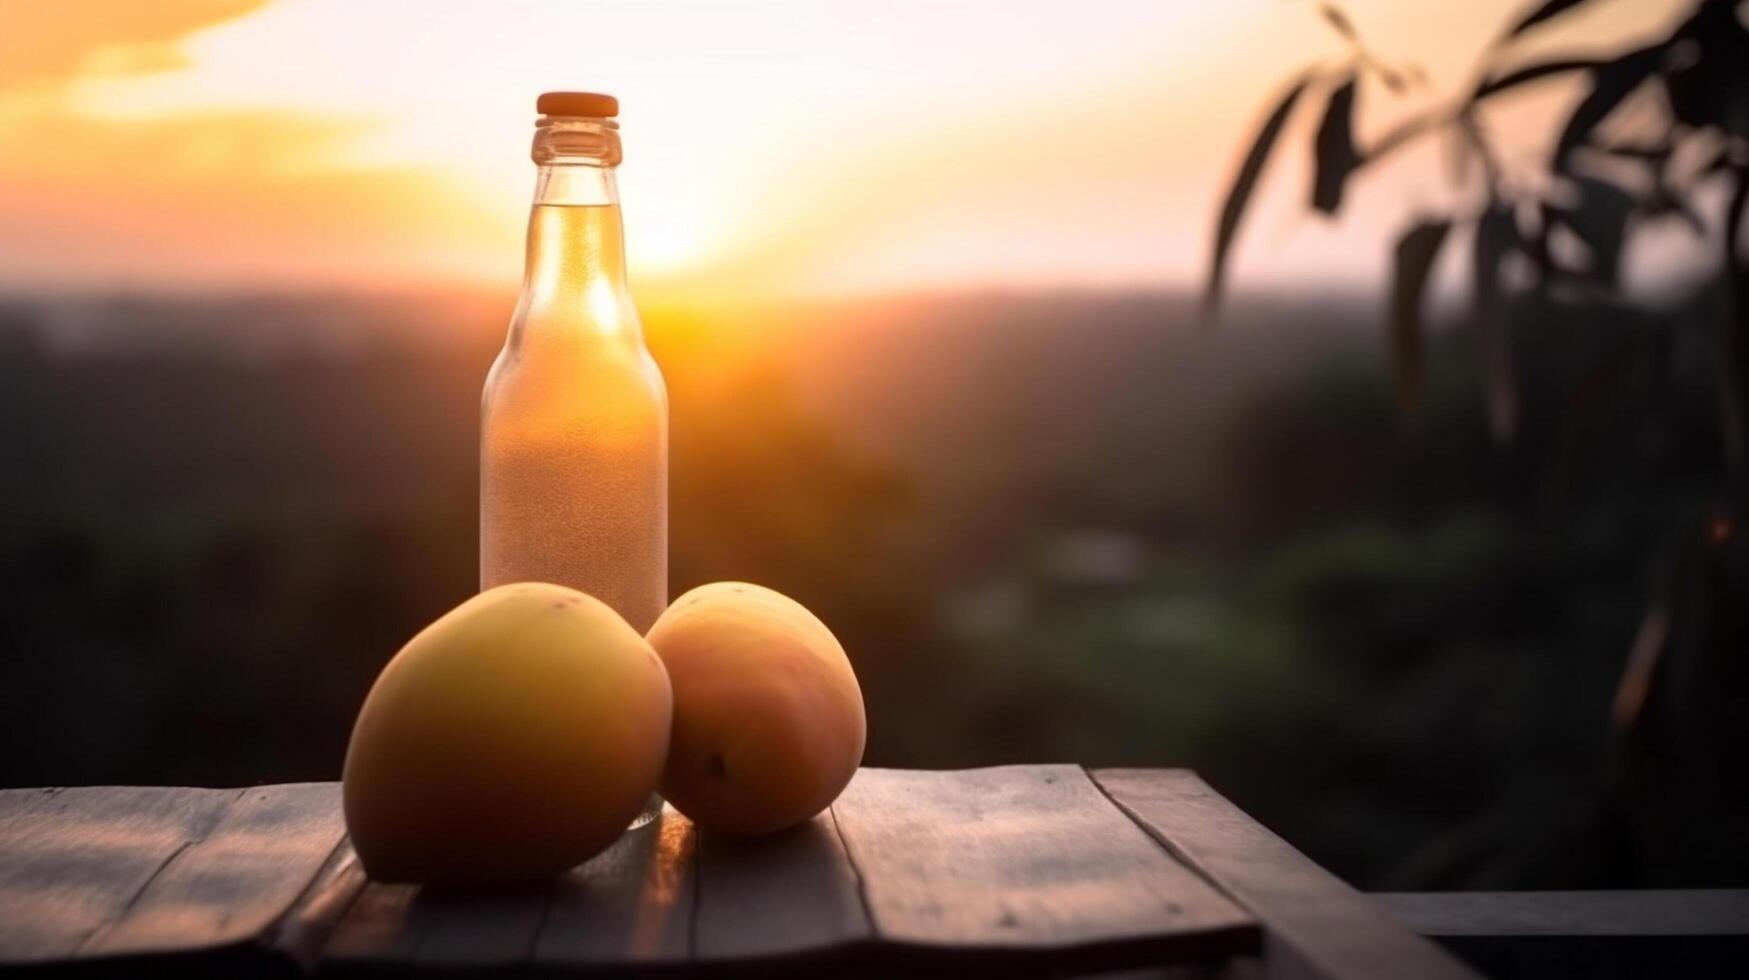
column 574, row 417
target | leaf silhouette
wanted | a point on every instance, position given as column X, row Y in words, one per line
column 1404, row 132
column 1710, row 85
column 1531, row 73
column 1651, row 153
column 1600, row 220
column 1338, row 20
column 1666, row 201
column 1413, row 263
column 1334, row 148
column 1734, row 319
column 1459, row 155
column 1717, row 163
column 1552, row 269
column 1240, row 193
column 1392, row 78
column 1542, row 12
column 1611, row 83
column 1496, row 235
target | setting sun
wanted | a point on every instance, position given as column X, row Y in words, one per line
column 770, row 146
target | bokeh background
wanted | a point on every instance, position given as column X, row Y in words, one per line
column 925, row 280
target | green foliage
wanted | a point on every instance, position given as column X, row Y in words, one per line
column 1249, row 173
column 1564, row 230
column 1702, row 68
column 1540, row 13
column 1334, row 149
column 1496, row 230
column 1411, row 266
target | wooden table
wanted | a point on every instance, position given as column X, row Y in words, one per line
column 1014, row 870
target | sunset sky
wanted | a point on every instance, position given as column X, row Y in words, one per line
column 770, row 146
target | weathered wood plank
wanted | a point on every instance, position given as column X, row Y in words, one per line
column 239, row 879
column 1314, row 924
column 1599, row 935
column 388, row 926
column 1024, row 869
column 76, row 860
column 17, row 804
column 630, row 906
column 792, row 895
column 376, row 926
column 1242, row 967
column 1685, row 912
column 1025, row 861
column 495, row 928
column 303, row 932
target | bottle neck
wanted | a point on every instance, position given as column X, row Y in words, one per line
column 576, row 185
column 576, row 273
column 575, row 285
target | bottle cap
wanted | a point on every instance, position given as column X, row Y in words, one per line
column 576, row 104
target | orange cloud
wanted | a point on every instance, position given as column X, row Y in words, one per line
column 221, row 197
column 55, row 40
column 209, row 197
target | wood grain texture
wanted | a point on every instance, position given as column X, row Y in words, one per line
column 1682, row 912
column 631, row 905
column 234, row 883
column 1024, row 861
column 1014, row 870
column 74, row 861
column 789, row 896
column 486, row 929
column 377, row 927
column 1315, row 925
column 1599, row 935
column 303, row 932
column 374, row 924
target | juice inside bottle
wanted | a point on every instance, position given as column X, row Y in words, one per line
column 574, row 448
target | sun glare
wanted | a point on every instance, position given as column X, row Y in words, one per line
column 771, row 146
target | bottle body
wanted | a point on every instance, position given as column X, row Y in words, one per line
column 574, row 416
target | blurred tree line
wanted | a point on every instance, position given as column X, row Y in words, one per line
column 1397, row 648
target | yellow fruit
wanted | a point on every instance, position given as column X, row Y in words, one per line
column 768, row 717
column 515, row 737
